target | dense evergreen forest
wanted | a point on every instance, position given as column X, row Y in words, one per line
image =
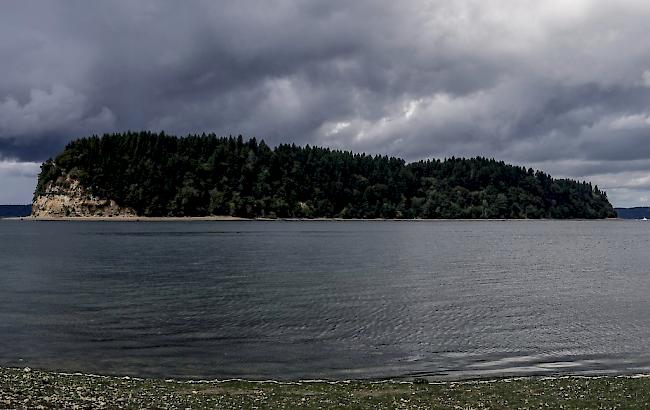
column 161, row 175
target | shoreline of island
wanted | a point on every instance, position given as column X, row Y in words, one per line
column 222, row 218
column 30, row 388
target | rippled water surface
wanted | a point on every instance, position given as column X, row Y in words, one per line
column 337, row 300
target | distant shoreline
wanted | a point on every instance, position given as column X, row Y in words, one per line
column 221, row 218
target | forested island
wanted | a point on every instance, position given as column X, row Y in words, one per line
column 149, row 174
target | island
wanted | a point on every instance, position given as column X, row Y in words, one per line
column 145, row 174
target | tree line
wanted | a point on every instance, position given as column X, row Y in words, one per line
column 200, row 175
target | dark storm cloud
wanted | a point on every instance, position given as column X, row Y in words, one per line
column 555, row 84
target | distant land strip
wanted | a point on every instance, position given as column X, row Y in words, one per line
column 157, row 175
column 639, row 212
column 15, row 211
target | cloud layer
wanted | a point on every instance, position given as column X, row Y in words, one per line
column 561, row 86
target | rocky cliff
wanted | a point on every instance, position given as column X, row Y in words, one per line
column 65, row 197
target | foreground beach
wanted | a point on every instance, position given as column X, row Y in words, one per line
column 27, row 388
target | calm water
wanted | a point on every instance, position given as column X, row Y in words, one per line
column 296, row 300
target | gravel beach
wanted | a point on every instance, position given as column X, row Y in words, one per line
column 33, row 389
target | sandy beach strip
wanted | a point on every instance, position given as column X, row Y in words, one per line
column 127, row 218
column 217, row 218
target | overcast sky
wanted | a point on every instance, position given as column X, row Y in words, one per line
column 557, row 85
